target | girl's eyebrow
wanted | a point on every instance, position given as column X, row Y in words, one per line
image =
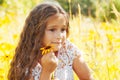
column 55, row 26
column 51, row 26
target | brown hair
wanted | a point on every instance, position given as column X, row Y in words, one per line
column 28, row 51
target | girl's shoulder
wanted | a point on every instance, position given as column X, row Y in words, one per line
column 73, row 48
column 70, row 49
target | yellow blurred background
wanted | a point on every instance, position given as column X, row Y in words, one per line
column 98, row 40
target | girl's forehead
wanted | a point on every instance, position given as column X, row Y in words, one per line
column 57, row 19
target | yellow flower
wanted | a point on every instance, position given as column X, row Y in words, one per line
column 6, row 52
column 46, row 50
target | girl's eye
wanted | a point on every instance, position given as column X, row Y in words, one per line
column 63, row 29
column 52, row 30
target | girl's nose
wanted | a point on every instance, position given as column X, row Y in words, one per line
column 59, row 35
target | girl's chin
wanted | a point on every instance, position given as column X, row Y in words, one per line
column 56, row 48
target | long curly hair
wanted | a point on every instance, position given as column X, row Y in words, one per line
column 27, row 53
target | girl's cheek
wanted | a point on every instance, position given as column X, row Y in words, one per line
column 64, row 39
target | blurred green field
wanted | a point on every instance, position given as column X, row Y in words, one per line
column 99, row 41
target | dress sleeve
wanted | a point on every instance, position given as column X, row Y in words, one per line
column 73, row 49
column 36, row 71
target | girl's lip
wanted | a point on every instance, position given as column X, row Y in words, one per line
column 56, row 42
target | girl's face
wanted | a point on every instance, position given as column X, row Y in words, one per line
column 55, row 32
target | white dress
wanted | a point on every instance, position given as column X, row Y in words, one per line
column 64, row 69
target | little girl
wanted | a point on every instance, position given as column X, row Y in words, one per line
column 47, row 25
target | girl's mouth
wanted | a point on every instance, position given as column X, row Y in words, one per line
column 56, row 42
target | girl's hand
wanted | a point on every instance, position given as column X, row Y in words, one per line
column 49, row 62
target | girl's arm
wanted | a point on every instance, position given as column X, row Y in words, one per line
column 45, row 75
column 49, row 63
column 81, row 69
